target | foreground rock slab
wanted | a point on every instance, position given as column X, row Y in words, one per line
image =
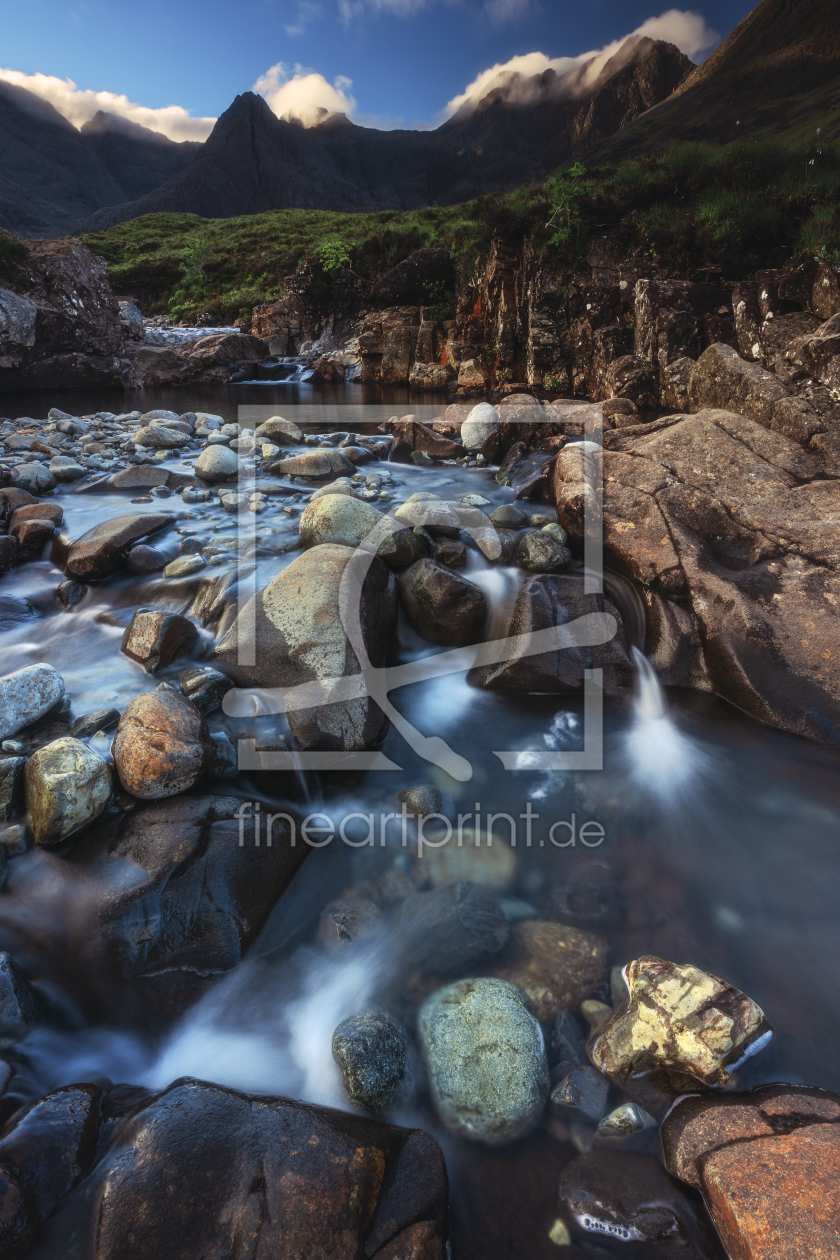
column 100, row 552
column 186, row 1172
column 767, row 1163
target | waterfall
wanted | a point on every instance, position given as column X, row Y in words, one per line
column 665, row 762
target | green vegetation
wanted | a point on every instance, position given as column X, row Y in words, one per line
column 12, row 253
column 694, row 211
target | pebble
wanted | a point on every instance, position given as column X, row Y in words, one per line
column 64, row 468
column 15, row 840
column 555, row 531
column 67, row 787
column 184, row 566
column 555, row 966
column 371, row 1051
column 581, row 1094
column 626, row 1198
column 538, row 552
column 625, row 1121
column 485, row 1058
column 143, row 559
column 427, row 799
column 70, row 593
column 11, row 781
column 90, row 723
column 205, row 687
column 27, row 695
column 509, row 516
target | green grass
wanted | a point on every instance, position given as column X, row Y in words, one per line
column 694, row 210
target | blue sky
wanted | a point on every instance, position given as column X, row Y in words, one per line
column 390, row 59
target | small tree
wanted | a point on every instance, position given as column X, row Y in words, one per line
column 194, row 255
column 335, row 256
column 566, row 218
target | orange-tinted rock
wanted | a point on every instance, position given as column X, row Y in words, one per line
column 162, row 745
column 554, row 966
column 418, row 1242
column 155, row 639
column 778, row 1198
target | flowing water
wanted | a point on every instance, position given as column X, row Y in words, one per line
column 721, row 838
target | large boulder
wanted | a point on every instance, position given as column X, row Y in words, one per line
column 65, row 332
column 100, row 552
column 181, row 1174
column 296, row 631
column 337, row 518
column 144, row 914
column 728, row 532
column 722, row 379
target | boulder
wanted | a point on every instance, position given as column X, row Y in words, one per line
column 538, row 552
column 276, row 429
column 27, row 695
column 159, row 437
column 428, row 512
column 313, row 464
column 371, row 1052
column 722, row 379
column 89, row 723
column 297, row 628
column 217, row 463
column 451, row 927
column 549, row 600
column 142, row 560
column 767, row 1163
column 337, row 518
column 727, row 530
column 138, row 477
column 435, row 376
column 679, row 1029
column 205, row 687
column 221, row 350
column 32, row 537
column 410, row 435
column 34, row 478
column 67, row 786
column 36, row 512
column 64, row 468
column 556, row 967
column 632, row 377
column 482, row 422
column 485, row 1059
column 155, row 639
column 100, row 552
column 162, row 746
column 177, row 1177
column 818, row 353
column 442, row 606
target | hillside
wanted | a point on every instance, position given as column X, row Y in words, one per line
column 53, row 177
column 777, row 75
column 254, row 162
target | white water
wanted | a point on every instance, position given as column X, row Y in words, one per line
column 665, row 762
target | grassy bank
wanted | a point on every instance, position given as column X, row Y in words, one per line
column 696, row 210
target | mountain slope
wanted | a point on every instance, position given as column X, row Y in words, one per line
column 253, row 161
column 776, row 75
column 52, row 177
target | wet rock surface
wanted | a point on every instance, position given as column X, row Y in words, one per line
column 162, row 745
column 371, row 1051
column 67, row 786
column 101, row 551
column 486, row 1060
column 556, row 967
column 156, row 639
column 26, row 695
column 452, row 927
column 442, row 606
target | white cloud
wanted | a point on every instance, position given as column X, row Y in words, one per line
column 350, row 9
column 304, row 95
column 78, row 105
column 687, row 30
column 307, row 11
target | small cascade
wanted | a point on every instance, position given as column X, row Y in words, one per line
column 664, row 761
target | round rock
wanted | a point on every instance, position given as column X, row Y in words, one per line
column 162, row 746
column 482, row 422
column 538, row 552
column 216, row 463
column 27, row 695
column 67, row 786
column 144, row 559
column 442, row 606
column 486, row 1060
column 337, row 518
column 370, row 1050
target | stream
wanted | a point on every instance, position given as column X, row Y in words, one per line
column 718, row 840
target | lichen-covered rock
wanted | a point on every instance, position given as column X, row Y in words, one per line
column 155, row 639
column 67, row 786
column 297, row 626
column 538, row 552
column 486, row 1060
column 371, row 1051
column 162, row 745
column 722, row 379
column 678, row 1022
column 337, row 518
column 556, row 967
column 27, row 695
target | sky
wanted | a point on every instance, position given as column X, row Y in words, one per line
column 176, row 66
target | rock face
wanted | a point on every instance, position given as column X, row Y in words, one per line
column 162, row 745
column 155, row 639
column 343, row 1185
column 722, row 379
column 27, row 695
column 726, row 530
column 100, row 552
column 441, row 605
column 679, row 1026
column 370, row 1049
column 767, row 1163
column 486, row 1060
column 556, row 967
column 297, row 625
column 67, row 786
column 64, row 330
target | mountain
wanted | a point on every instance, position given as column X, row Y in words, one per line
column 52, row 177
column 520, row 131
column 776, row 76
